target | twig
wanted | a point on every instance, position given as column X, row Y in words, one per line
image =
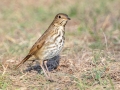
column 4, row 69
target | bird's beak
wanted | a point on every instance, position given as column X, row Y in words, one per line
column 69, row 18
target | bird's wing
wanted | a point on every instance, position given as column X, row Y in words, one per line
column 39, row 43
column 42, row 40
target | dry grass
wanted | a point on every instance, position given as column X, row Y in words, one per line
column 91, row 56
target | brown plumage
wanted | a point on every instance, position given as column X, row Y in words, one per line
column 50, row 43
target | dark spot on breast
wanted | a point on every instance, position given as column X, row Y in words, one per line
column 60, row 41
column 63, row 37
column 57, row 37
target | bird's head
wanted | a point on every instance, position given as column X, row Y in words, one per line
column 61, row 19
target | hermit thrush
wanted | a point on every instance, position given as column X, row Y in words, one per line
column 50, row 43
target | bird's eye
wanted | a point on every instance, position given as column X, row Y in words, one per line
column 59, row 16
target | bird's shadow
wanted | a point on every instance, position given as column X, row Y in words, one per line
column 51, row 65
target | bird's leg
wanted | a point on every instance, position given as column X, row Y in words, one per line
column 41, row 64
column 45, row 63
column 48, row 73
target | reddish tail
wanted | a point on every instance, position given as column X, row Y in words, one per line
column 23, row 61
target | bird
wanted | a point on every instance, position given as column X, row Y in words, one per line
column 49, row 44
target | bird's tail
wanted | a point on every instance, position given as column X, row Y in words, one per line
column 23, row 61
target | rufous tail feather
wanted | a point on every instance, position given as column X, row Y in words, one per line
column 23, row 61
